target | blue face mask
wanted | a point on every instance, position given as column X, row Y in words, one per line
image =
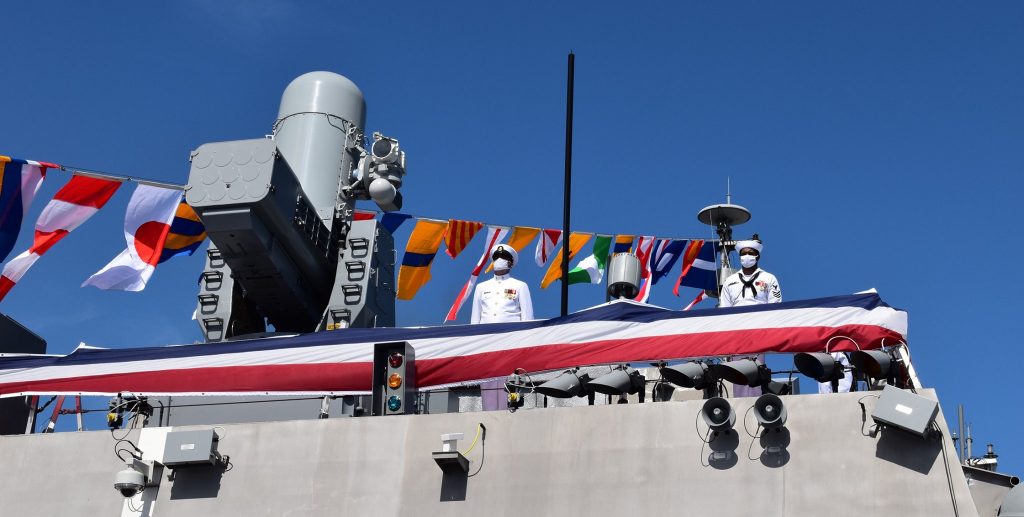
column 748, row 260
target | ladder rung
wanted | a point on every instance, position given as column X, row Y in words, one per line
column 208, row 299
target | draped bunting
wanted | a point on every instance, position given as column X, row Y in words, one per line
column 340, row 362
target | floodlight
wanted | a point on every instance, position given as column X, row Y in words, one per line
column 744, row 371
column 619, row 381
column 687, row 375
column 819, row 366
column 697, row 375
column 624, row 276
column 718, row 414
column 770, row 411
column 876, row 364
column 569, row 384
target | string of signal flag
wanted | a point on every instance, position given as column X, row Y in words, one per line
column 90, row 189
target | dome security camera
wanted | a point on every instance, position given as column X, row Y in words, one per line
column 129, row 482
column 137, row 476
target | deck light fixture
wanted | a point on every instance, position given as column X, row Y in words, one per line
column 697, row 375
column 620, row 381
column 569, row 384
column 819, row 366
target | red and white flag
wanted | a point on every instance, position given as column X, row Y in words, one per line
column 71, row 206
column 549, row 240
column 495, row 234
column 146, row 225
column 643, row 252
column 700, row 296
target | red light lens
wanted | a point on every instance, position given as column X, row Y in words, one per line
column 395, row 359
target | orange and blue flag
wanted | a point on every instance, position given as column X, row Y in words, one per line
column 419, row 254
column 186, row 235
column 19, row 182
column 623, row 243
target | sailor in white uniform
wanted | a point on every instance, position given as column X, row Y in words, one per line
column 502, row 298
column 749, row 286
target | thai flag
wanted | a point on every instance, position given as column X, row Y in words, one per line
column 71, row 206
column 341, row 362
column 664, row 255
column 699, row 267
column 146, row 225
column 19, row 182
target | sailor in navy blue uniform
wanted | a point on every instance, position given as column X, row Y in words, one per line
column 502, row 298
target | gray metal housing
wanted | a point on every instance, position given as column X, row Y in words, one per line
column 905, row 410
column 260, row 218
column 321, row 116
column 363, row 294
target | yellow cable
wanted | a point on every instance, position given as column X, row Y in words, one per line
column 479, row 429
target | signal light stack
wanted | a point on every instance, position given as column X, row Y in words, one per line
column 394, row 379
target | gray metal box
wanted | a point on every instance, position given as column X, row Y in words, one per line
column 905, row 410
column 191, row 448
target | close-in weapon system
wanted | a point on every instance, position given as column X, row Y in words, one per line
column 285, row 250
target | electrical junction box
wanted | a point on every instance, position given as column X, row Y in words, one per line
column 905, row 410
column 184, row 448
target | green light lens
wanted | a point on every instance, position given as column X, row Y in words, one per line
column 394, row 403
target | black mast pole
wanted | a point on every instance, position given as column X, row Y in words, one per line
column 567, row 190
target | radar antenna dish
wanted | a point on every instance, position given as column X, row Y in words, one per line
column 722, row 218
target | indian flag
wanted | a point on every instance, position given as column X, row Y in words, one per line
column 591, row 269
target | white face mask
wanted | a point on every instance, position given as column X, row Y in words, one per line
column 502, row 266
column 748, row 260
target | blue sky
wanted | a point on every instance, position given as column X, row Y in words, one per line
column 877, row 145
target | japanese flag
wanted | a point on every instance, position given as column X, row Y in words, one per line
column 146, row 225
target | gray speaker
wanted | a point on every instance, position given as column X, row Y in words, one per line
column 770, row 411
column 819, row 366
column 718, row 414
column 624, row 276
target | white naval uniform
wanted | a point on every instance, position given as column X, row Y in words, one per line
column 736, row 294
column 845, row 383
column 501, row 299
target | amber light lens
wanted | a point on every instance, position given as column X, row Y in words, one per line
column 394, row 381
